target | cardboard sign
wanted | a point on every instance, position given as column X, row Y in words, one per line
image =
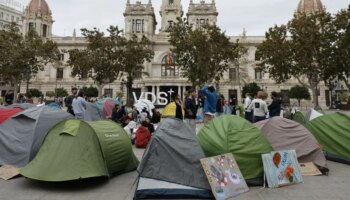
column 309, row 169
column 224, row 176
column 281, row 168
column 7, row 172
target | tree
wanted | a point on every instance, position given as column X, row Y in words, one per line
column 299, row 92
column 203, row 54
column 61, row 92
column 135, row 53
column 251, row 88
column 306, row 55
column 21, row 57
column 341, row 57
column 35, row 92
column 101, row 60
column 90, row 91
column 50, row 94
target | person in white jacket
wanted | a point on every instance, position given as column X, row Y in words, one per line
column 259, row 108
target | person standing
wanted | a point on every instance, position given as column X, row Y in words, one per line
column 79, row 106
column 227, row 108
column 210, row 102
column 220, row 105
column 233, row 104
column 179, row 107
column 275, row 106
column 259, row 108
column 191, row 110
column 69, row 100
column 248, row 112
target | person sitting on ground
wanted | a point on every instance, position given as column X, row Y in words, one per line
column 143, row 136
column 275, row 106
column 155, row 116
column 149, row 125
column 118, row 114
column 259, row 108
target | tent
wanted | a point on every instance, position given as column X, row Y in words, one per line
column 299, row 117
column 6, row 113
column 144, row 103
column 233, row 134
column 171, row 167
column 23, row 106
column 22, row 135
column 333, row 133
column 54, row 106
column 170, row 110
column 284, row 134
column 311, row 115
column 75, row 149
column 93, row 113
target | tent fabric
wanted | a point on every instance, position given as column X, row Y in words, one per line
column 97, row 149
column 170, row 110
column 6, row 113
column 144, row 103
column 143, row 136
column 284, row 134
column 332, row 131
column 173, row 156
column 233, row 134
column 299, row 117
column 311, row 115
column 108, row 108
column 23, row 106
column 93, row 113
column 21, row 136
column 54, row 106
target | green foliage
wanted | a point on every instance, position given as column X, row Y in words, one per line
column 306, row 53
column 90, row 91
column 35, row 92
column 299, row 92
column 61, row 92
column 50, row 94
column 344, row 97
column 22, row 57
column 251, row 88
column 204, row 54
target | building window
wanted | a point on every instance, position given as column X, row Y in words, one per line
column 169, row 67
column 12, row 18
column 62, row 57
column 171, row 2
column 17, row 19
column 200, row 23
column 31, row 27
column 84, row 75
column 1, row 24
column 7, row 17
column 233, row 74
column 139, row 26
column 258, row 74
column 44, row 30
column 1, row 15
column 109, row 93
column 59, row 73
column 171, row 23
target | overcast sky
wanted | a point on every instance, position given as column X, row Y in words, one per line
column 256, row 16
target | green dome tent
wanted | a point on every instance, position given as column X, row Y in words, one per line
column 75, row 149
column 233, row 134
column 299, row 117
column 333, row 133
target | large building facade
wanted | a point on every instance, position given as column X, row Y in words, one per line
column 140, row 20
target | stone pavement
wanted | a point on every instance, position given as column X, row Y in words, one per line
column 332, row 187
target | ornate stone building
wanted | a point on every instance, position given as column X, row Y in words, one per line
column 140, row 20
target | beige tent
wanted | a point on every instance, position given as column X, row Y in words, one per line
column 284, row 134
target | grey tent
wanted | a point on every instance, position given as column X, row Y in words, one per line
column 284, row 134
column 171, row 167
column 93, row 113
column 22, row 135
column 24, row 106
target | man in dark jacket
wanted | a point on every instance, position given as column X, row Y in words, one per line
column 69, row 100
column 275, row 107
column 191, row 110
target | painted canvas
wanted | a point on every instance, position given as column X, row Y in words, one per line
column 281, row 168
column 309, row 169
column 224, row 176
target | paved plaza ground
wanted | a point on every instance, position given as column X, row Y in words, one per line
column 332, row 187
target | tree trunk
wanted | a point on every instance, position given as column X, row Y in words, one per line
column 315, row 96
column 299, row 102
column 100, row 88
column 15, row 92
